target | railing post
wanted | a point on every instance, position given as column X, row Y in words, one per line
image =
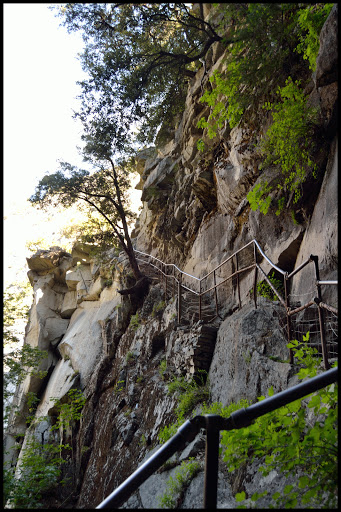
column 200, row 299
column 211, row 461
column 286, row 296
column 179, row 298
column 321, row 314
column 255, row 280
column 215, row 293
column 165, row 274
column 238, row 286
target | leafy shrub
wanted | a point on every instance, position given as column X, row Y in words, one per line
column 134, row 322
column 310, row 21
column 40, row 465
column 288, row 143
column 265, row 290
column 158, row 307
column 40, row 471
column 286, row 440
column 189, row 395
column 163, row 368
column 256, row 197
column 176, row 485
column 70, row 411
column 130, row 357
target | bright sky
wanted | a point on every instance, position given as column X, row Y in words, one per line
column 40, row 74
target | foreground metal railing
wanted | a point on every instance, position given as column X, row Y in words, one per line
column 213, row 425
column 204, row 298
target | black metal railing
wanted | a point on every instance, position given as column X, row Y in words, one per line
column 204, row 298
column 213, row 425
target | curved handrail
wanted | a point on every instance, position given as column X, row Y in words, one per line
column 283, row 272
column 167, row 264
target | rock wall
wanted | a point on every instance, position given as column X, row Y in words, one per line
column 195, row 214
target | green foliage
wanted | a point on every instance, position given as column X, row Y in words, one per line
column 310, row 21
column 41, row 464
column 158, row 307
column 286, row 440
column 104, row 190
column 169, row 431
column 263, row 43
column 176, row 485
column 130, row 357
column 140, row 379
column 228, row 110
column 260, row 38
column 288, row 142
column 265, row 290
column 143, row 440
column 93, row 231
column 40, row 472
column 288, row 145
column 70, row 411
column 163, row 368
column 119, row 386
column 19, row 360
column 137, row 58
column 134, row 322
column 190, row 394
column 256, row 197
column 201, row 144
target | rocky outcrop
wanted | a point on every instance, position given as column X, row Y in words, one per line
column 122, row 352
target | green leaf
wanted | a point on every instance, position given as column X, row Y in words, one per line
column 288, row 488
column 303, row 481
column 240, row 496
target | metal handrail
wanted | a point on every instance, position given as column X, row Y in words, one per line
column 182, row 286
column 213, row 424
column 281, row 271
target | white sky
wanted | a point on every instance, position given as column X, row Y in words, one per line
column 40, row 74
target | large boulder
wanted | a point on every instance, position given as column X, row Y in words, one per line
column 249, row 355
column 44, row 261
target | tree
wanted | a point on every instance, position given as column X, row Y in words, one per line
column 103, row 190
column 19, row 361
column 138, row 58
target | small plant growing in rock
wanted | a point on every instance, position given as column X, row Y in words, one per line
column 140, row 379
column 190, row 394
column 134, row 322
column 177, row 485
column 163, row 368
column 108, row 283
column 130, row 357
column 143, row 440
column 265, row 290
column 158, row 307
column 119, row 386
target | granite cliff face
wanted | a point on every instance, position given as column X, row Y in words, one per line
column 195, row 214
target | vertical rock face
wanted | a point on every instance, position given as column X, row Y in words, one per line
column 123, row 352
